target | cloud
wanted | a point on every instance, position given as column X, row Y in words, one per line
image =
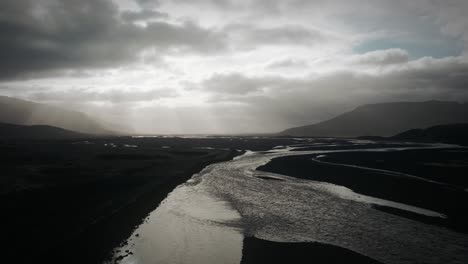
column 451, row 17
column 238, row 102
column 132, row 16
column 236, row 84
column 288, row 63
column 250, row 36
column 111, row 96
column 148, row 3
column 252, row 65
column 382, row 57
column 425, row 23
column 41, row 36
column 303, row 100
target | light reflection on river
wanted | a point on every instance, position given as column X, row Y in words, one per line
column 188, row 227
column 205, row 219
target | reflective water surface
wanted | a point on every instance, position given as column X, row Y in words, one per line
column 205, row 219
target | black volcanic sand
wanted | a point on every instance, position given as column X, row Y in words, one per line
column 74, row 201
column 343, row 144
column 443, row 165
column 447, row 165
column 258, row 251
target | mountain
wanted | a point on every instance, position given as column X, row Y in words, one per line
column 37, row 132
column 386, row 119
column 21, row 112
column 452, row 134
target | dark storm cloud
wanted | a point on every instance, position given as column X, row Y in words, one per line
column 148, row 3
column 251, row 36
column 263, row 6
column 382, row 57
column 296, row 101
column 131, row 16
column 287, row 63
column 112, row 96
column 445, row 77
column 39, row 36
column 420, row 21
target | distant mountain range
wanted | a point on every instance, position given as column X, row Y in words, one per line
column 386, row 119
column 37, row 132
column 21, row 112
column 431, row 121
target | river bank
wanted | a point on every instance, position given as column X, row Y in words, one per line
column 433, row 179
column 73, row 201
column 230, row 204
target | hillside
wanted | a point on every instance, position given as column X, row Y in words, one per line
column 36, row 132
column 21, row 112
column 386, row 119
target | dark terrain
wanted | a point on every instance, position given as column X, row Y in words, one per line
column 73, row 201
column 446, row 167
column 451, row 134
column 37, row 132
column 386, row 119
column 258, row 251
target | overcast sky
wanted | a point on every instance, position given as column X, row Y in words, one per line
column 231, row 66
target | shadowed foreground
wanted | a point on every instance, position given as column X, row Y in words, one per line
column 431, row 179
column 73, row 201
column 257, row 251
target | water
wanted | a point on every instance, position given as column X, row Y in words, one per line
column 205, row 219
column 189, row 226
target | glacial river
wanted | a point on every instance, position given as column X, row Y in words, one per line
column 205, row 219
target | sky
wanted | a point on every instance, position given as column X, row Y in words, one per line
column 231, row 66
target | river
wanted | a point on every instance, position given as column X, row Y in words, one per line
column 205, row 219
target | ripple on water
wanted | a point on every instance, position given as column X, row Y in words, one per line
column 203, row 221
column 190, row 226
column 296, row 210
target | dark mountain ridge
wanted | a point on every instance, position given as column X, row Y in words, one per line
column 386, row 119
column 22, row 112
column 37, row 132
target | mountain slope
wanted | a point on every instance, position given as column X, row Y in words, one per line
column 21, row 112
column 386, row 119
column 10, row 131
column 452, row 134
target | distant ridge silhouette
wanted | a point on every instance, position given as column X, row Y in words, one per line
column 22, row 112
column 37, row 132
column 386, row 119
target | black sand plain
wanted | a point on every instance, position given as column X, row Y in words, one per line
column 73, row 201
column 259, row 251
column 440, row 184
